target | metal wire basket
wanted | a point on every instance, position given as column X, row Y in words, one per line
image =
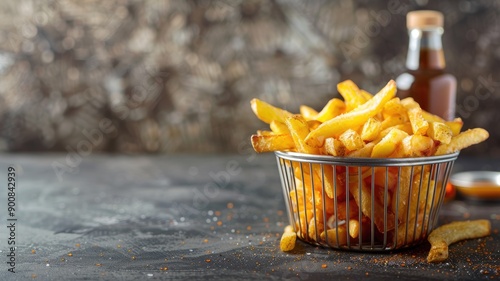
column 363, row 204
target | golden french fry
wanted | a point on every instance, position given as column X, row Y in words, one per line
column 463, row 140
column 388, row 144
column 302, row 220
column 393, row 120
column 313, row 124
column 332, row 109
column 267, row 143
column 351, row 94
column 362, row 195
column 354, row 118
column 370, row 129
column 334, row 147
column 440, row 132
column 329, row 181
column 267, row 112
column 417, row 145
column 299, row 130
column 418, row 123
column 335, row 236
column 307, row 112
column 342, row 211
column 394, row 107
column 386, row 176
column 455, row 125
column 365, row 151
column 279, row 128
column 316, row 227
column 445, row 235
column 399, row 201
column 415, row 232
column 431, row 117
column 288, row 240
column 351, row 140
column 354, row 228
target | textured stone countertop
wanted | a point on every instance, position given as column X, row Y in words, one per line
column 195, row 217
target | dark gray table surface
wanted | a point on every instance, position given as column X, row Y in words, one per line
column 192, row 217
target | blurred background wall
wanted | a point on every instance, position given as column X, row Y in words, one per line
column 177, row 75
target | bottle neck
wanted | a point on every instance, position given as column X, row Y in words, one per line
column 425, row 49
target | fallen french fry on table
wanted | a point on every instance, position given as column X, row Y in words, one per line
column 445, row 235
column 288, row 240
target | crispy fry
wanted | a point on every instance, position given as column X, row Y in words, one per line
column 332, row 109
column 279, row 128
column 335, row 236
column 417, row 145
column 388, row 144
column 313, row 124
column 463, row 140
column 455, row 125
column 299, row 130
column 354, row 228
column 394, row 107
column 316, row 227
column 334, row 147
column 351, row 140
column 357, row 117
column 351, row 94
column 267, row 143
column 440, row 132
column 399, row 204
column 441, row 237
column 307, row 112
column 364, row 201
column 370, row 129
column 392, row 121
column 267, row 112
column 431, row 117
column 418, row 123
column 288, row 240
column 365, row 151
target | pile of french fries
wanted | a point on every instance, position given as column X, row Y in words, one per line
column 368, row 126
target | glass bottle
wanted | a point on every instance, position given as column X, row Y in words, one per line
column 425, row 79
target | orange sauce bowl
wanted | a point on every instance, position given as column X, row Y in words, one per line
column 480, row 185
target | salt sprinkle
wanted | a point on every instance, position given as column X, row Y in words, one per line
column 150, row 274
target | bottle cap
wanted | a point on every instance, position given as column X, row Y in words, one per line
column 424, row 19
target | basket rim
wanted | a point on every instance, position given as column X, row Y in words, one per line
column 366, row 161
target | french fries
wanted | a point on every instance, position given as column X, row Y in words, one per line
column 337, row 204
column 441, row 237
column 288, row 239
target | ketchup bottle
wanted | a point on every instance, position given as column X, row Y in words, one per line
column 425, row 79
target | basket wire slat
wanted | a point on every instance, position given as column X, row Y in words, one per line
column 321, row 191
